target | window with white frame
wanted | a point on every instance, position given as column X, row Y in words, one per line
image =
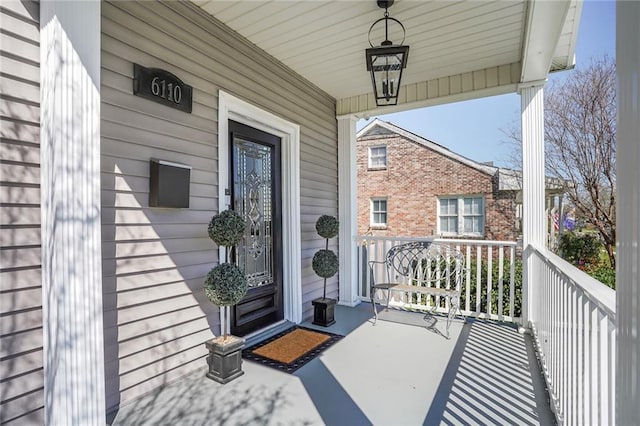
column 448, row 216
column 378, row 212
column 461, row 215
column 378, row 157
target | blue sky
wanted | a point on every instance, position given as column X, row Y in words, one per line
column 479, row 135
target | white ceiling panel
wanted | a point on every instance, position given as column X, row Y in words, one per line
column 324, row 41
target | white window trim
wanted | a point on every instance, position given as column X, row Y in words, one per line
column 461, row 216
column 371, row 222
column 386, row 157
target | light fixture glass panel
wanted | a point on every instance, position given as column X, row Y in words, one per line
column 386, row 65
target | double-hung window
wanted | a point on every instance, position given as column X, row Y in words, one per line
column 378, row 157
column 378, row 212
column 473, row 216
column 461, row 215
column 448, row 216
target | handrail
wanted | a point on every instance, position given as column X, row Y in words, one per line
column 440, row 240
column 600, row 294
column 573, row 319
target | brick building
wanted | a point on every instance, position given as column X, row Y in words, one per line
column 410, row 186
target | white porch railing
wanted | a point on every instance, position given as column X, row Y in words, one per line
column 485, row 295
column 574, row 323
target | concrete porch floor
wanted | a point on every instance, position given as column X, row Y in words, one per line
column 393, row 373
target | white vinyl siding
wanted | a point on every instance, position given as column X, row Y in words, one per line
column 21, row 368
column 157, row 317
column 378, row 157
column 461, row 215
column 378, row 212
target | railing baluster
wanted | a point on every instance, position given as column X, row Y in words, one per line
column 571, row 355
column 478, row 279
column 489, row 279
column 565, row 347
column 595, row 361
column 467, row 303
column 512, row 282
column 500, row 279
column 586, row 352
column 611, row 373
column 579, row 348
column 603, row 366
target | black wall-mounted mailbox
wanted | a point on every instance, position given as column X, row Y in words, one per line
column 169, row 184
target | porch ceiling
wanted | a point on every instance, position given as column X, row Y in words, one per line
column 464, row 49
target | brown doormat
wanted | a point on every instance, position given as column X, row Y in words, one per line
column 291, row 349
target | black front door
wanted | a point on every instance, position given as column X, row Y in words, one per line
column 255, row 193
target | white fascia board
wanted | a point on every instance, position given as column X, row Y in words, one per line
column 545, row 21
column 572, row 25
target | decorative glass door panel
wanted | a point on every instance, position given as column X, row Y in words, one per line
column 255, row 191
column 252, row 199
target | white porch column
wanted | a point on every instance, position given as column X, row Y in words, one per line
column 533, row 182
column 347, row 210
column 628, row 213
column 74, row 384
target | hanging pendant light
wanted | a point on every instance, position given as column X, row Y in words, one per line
column 386, row 61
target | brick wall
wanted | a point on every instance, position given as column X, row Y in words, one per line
column 415, row 176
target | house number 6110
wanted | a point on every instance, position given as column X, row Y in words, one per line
column 161, row 86
column 168, row 91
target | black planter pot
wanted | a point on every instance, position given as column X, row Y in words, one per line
column 225, row 358
column 323, row 311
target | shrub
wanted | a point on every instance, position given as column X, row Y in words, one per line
column 603, row 273
column 580, row 249
column 583, row 251
column 517, row 281
column 472, row 267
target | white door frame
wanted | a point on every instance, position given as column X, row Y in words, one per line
column 233, row 108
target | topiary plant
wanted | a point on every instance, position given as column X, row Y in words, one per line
column 325, row 262
column 226, row 284
column 327, row 226
column 227, row 228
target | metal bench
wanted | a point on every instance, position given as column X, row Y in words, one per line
column 421, row 268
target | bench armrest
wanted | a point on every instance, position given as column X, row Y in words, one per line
column 372, row 263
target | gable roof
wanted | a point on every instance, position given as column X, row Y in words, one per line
column 380, row 127
column 508, row 179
